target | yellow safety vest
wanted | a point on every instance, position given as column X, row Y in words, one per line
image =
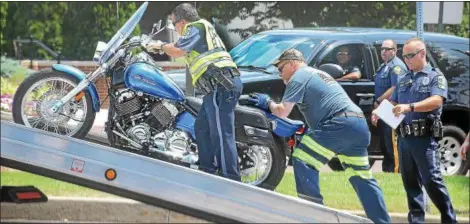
column 216, row 53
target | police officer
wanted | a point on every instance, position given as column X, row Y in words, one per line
column 351, row 72
column 465, row 146
column 385, row 81
column 338, row 128
column 215, row 74
column 419, row 96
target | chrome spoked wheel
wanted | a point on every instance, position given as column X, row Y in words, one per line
column 255, row 164
column 41, row 96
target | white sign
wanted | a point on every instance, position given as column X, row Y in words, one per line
column 452, row 13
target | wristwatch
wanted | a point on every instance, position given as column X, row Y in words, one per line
column 412, row 106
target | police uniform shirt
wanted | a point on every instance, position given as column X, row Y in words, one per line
column 415, row 87
column 350, row 68
column 387, row 75
column 317, row 95
column 193, row 39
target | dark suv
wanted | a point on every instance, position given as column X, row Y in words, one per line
column 448, row 53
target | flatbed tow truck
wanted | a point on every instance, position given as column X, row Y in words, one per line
column 148, row 180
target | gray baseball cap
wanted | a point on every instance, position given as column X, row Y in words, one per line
column 291, row 54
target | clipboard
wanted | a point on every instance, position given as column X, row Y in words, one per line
column 384, row 112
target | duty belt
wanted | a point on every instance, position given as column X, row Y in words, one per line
column 420, row 128
column 216, row 77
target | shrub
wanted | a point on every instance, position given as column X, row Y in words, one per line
column 12, row 74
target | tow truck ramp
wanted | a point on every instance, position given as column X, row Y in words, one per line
column 154, row 182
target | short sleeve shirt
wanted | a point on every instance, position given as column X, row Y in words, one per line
column 317, row 95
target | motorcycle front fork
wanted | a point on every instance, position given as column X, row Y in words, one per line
column 75, row 91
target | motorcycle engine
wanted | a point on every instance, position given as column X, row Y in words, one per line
column 148, row 122
column 143, row 116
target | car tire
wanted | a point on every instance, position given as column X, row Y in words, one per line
column 449, row 151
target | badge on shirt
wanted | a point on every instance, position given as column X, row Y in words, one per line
column 425, row 81
column 441, row 82
column 397, row 70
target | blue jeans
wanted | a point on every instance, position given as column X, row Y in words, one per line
column 215, row 131
column 419, row 165
column 348, row 138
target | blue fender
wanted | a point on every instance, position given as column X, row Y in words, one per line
column 81, row 75
column 284, row 127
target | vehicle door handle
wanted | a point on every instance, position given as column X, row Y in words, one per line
column 365, row 95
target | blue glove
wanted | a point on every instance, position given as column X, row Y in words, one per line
column 260, row 100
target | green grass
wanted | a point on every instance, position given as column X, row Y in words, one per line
column 48, row 186
column 338, row 193
column 335, row 187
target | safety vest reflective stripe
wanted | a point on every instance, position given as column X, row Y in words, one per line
column 216, row 54
column 364, row 174
column 197, row 57
column 311, row 144
column 300, row 154
column 354, row 160
column 207, row 60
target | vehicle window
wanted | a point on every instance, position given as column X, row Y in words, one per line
column 356, row 57
column 451, row 58
column 261, row 50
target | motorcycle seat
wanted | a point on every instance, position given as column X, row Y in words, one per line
column 243, row 114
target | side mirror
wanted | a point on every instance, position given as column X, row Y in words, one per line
column 169, row 25
column 334, row 70
column 156, row 27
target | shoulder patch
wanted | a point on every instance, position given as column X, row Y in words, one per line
column 397, row 70
column 441, row 82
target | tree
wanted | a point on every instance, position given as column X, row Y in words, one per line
column 39, row 20
column 71, row 27
column 3, row 22
column 101, row 23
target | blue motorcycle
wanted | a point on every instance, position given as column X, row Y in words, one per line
column 148, row 113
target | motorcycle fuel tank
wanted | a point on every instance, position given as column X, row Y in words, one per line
column 149, row 80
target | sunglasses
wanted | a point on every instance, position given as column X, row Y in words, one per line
column 342, row 53
column 411, row 55
column 387, row 48
column 282, row 67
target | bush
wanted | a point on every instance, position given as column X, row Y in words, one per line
column 12, row 74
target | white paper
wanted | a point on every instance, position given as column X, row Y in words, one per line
column 384, row 112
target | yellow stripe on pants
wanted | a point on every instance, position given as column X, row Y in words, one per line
column 395, row 151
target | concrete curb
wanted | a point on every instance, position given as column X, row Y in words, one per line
column 75, row 209
column 99, row 210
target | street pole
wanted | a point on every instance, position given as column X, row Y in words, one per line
column 419, row 19
column 419, row 29
column 441, row 12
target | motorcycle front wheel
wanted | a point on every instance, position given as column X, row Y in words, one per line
column 39, row 91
